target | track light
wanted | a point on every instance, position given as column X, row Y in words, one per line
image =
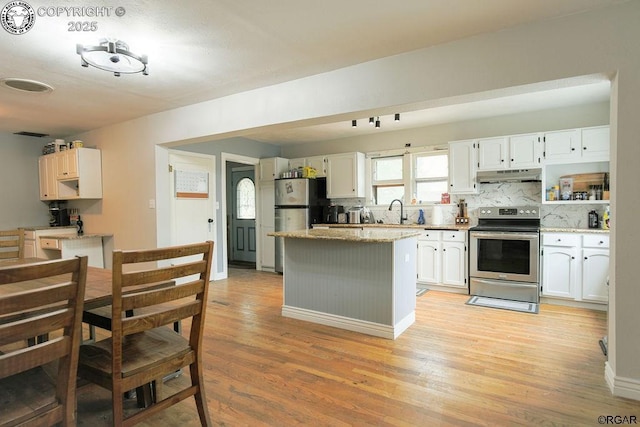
column 375, row 121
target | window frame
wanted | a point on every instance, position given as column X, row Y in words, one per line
column 409, row 179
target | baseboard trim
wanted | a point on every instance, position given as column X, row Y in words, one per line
column 355, row 325
column 623, row 387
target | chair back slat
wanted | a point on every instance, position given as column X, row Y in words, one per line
column 30, row 299
column 12, row 243
column 12, row 330
column 161, row 317
column 159, row 296
column 34, row 356
column 172, row 252
column 162, row 274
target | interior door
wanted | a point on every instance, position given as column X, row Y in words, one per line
column 243, row 215
column 193, row 199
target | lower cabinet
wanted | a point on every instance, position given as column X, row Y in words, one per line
column 442, row 258
column 575, row 266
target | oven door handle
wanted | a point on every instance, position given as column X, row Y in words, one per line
column 507, row 235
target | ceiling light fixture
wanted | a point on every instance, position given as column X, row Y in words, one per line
column 376, row 120
column 114, row 56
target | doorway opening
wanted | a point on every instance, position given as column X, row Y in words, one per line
column 241, row 215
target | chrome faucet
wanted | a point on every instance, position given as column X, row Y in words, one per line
column 402, row 217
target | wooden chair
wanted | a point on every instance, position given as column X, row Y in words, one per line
column 12, row 243
column 143, row 348
column 37, row 299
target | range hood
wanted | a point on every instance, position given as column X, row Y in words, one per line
column 515, row 175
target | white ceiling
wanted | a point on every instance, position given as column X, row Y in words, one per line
column 201, row 50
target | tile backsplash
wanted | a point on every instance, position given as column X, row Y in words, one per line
column 500, row 194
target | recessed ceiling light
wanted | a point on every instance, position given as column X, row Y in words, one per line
column 25, row 85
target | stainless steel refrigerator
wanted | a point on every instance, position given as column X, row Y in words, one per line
column 298, row 205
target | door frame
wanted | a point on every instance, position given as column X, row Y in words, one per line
column 236, row 158
column 162, row 202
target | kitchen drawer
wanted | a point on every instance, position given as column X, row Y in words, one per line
column 29, row 234
column 46, row 243
column 454, row 236
column 595, row 241
column 429, row 235
column 560, row 239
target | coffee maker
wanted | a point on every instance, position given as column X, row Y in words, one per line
column 58, row 215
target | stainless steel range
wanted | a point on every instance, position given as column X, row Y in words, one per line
column 504, row 256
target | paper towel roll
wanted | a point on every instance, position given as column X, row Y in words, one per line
column 436, row 215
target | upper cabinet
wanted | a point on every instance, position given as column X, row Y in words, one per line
column 345, row 175
column 71, row 174
column 509, row 152
column 319, row 163
column 272, row 167
column 48, row 179
column 577, row 145
column 462, row 167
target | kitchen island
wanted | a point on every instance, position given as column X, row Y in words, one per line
column 359, row 280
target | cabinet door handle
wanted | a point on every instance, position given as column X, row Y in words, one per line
column 584, row 148
column 586, row 258
column 573, row 257
column 559, row 240
column 601, row 242
column 573, row 149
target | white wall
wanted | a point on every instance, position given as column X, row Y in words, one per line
column 20, row 194
column 604, row 41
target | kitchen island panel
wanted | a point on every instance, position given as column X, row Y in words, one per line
column 363, row 287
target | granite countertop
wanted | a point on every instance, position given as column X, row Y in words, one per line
column 573, row 230
column 76, row 236
column 47, row 227
column 402, row 226
column 346, row 234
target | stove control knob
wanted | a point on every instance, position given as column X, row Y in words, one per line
column 521, row 211
column 533, row 211
column 488, row 211
column 528, row 211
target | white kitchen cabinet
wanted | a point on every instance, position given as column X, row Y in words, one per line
column 575, row 266
column 266, row 196
column 577, row 145
column 462, row 167
column 345, row 176
column 454, row 256
column 272, row 167
column 33, row 246
column 71, row 174
column 67, row 163
column 509, row 152
column 559, row 267
column 30, row 247
column 492, row 153
column 69, row 246
column 442, row 258
column 595, row 267
column 319, row 163
column 47, row 177
column 429, row 259
column 316, row 162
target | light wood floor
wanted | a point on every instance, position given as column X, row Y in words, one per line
column 457, row 365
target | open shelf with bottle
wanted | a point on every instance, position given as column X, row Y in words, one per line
column 551, row 175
